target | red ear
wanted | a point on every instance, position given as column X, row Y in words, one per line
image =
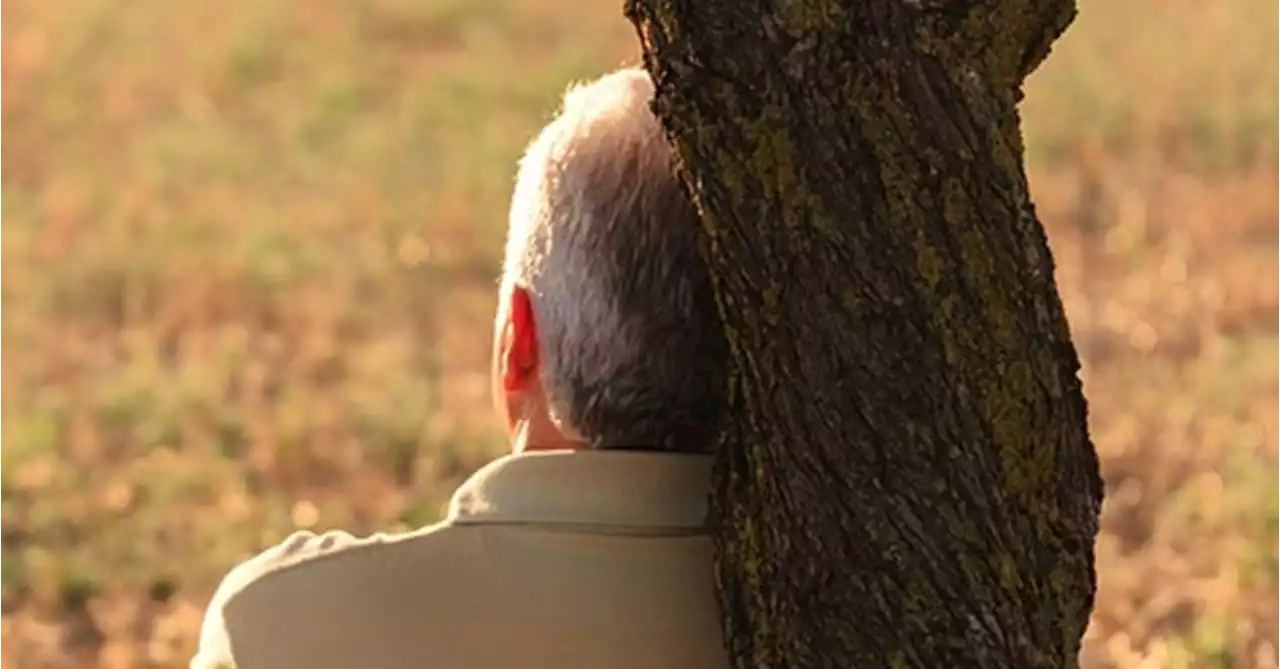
column 521, row 359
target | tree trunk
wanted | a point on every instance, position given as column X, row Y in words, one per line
column 909, row 480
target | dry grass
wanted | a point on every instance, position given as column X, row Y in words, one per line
column 248, row 255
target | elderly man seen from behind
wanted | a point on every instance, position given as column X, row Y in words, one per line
column 585, row 547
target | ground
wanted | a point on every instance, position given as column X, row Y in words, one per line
column 250, row 248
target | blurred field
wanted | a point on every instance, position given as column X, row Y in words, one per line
column 248, row 251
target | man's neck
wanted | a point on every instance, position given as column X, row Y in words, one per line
column 542, row 436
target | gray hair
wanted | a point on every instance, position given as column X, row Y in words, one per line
column 605, row 239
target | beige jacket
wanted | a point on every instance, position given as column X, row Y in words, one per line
column 561, row 559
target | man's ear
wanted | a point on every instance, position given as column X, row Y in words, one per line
column 520, row 343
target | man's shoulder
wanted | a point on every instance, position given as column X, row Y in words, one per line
column 297, row 551
column 332, row 552
column 307, row 564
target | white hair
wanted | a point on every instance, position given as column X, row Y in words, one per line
column 605, row 239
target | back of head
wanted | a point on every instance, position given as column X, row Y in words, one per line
column 605, row 239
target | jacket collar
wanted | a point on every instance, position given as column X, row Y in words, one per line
column 604, row 488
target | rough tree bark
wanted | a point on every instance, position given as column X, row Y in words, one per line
column 908, row 481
